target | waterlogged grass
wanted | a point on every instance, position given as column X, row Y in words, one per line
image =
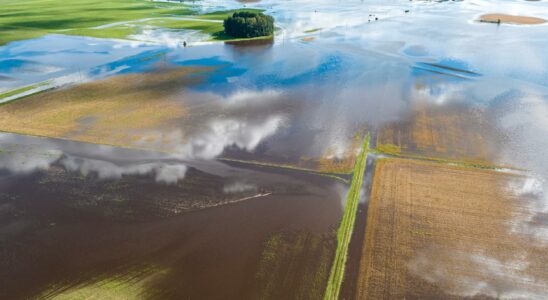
column 22, row 90
column 294, row 265
column 132, row 285
column 21, row 20
column 114, row 32
column 312, row 30
column 346, row 227
column 223, row 14
column 210, row 23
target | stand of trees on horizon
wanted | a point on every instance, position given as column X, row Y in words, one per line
column 249, row 24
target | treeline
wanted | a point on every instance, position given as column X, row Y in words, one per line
column 249, row 24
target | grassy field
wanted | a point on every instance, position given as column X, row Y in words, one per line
column 28, row 19
column 445, row 232
column 21, row 20
column 346, row 226
column 114, row 111
column 210, row 23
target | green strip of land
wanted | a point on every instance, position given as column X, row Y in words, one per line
column 346, row 227
column 396, row 151
column 22, row 90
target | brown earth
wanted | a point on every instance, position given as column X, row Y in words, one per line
column 522, row 20
column 443, row 232
column 115, row 111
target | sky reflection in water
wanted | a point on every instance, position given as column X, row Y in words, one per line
column 296, row 98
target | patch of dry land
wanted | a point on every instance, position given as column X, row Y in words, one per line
column 116, row 111
column 503, row 18
column 445, row 232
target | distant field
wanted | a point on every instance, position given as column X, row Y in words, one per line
column 456, row 133
column 118, row 110
column 28, row 19
column 21, row 20
column 444, row 232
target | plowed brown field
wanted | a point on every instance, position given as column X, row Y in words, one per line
column 443, row 232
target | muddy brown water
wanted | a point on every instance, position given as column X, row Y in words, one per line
column 61, row 230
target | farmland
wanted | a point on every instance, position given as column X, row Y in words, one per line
column 118, row 105
column 23, row 20
column 454, row 132
column 436, row 231
column 363, row 150
column 110, row 218
column 120, row 19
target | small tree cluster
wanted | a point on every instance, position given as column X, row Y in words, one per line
column 249, row 24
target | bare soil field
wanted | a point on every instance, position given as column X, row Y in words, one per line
column 503, row 18
column 445, row 232
column 449, row 132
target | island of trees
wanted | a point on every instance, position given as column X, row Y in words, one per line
column 249, row 25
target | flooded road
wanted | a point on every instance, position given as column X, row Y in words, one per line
column 133, row 187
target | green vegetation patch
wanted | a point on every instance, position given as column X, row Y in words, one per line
column 22, row 89
column 245, row 24
column 312, row 30
column 346, row 227
column 221, row 15
column 21, row 20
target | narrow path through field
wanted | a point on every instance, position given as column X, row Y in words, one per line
column 346, row 227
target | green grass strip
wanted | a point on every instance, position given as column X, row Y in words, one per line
column 461, row 163
column 312, row 30
column 22, row 90
column 346, row 227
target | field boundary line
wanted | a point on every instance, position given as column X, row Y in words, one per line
column 346, row 227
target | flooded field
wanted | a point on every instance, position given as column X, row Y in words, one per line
column 71, row 232
column 143, row 158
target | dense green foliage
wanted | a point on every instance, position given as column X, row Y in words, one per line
column 246, row 24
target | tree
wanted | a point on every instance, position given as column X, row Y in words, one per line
column 246, row 24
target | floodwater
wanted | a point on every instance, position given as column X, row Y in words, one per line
column 75, row 215
column 424, row 76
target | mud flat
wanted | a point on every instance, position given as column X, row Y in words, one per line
column 246, row 235
column 510, row 19
column 448, row 232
